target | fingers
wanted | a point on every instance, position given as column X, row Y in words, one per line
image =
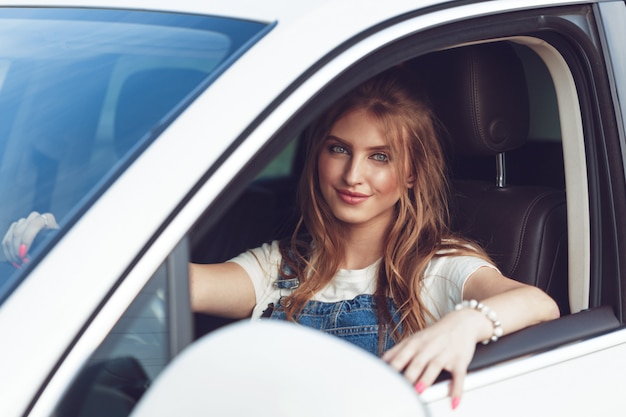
column 25, row 232
column 14, row 247
column 419, row 366
column 423, row 356
column 398, row 356
column 21, row 234
column 430, row 373
column 49, row 221
column 456, row 387
column 7, row 244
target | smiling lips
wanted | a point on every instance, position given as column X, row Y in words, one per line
column 350, row 197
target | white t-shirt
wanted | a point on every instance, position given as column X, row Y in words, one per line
column 443, row 282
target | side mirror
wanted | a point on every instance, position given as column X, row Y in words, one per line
column 269, row 368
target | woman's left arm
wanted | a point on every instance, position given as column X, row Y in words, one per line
column 450, row 343
column 517, row 305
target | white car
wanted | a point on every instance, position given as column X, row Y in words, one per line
column 164, row 132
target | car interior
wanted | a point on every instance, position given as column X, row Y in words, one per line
column 498, row 106
column 508, row 190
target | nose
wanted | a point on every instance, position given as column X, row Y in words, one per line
column 353, row 173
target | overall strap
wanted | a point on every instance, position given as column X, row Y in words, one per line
column 286, row 280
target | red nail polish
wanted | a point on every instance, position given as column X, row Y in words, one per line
column 16, row 265
column 22, row 252
column 420, row 387
column 455, row 402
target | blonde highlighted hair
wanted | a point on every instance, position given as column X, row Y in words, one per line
column 420, row 231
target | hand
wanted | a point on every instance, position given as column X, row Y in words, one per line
column 21, row 234
column 447, row 345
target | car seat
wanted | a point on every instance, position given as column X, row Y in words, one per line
column 479, row 93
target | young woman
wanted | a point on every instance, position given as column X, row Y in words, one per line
column 372, row 259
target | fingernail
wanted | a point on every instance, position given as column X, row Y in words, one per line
column 420, row 387
column 22, row 250
column 25, row 260
column 16, row 265
column 455, row 402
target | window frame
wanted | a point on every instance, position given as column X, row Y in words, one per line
column 573, row 40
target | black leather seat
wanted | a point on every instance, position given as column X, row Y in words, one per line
column 480, row 95
column 247, row 224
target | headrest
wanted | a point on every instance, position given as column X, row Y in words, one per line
column 480, row 95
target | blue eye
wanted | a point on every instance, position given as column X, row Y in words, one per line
column 380, row 157
column 338, row 149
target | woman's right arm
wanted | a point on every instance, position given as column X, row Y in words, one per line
column 221, row 289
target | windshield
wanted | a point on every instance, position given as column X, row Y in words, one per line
column 83, row 90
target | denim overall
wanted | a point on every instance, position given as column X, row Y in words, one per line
column 355, row 321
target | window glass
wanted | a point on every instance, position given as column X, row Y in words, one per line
column 83, row 90
column 142, row 332
column 544, row 117
column 282, row 165
column 129, row 358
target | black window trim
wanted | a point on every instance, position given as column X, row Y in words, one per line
column 179, row 304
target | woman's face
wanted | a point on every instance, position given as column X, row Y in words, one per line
column 357, row 176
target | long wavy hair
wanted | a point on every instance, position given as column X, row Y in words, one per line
column 420, row 231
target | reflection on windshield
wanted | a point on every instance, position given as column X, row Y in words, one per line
column 81, row 89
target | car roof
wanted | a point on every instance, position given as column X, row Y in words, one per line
column 265, row 11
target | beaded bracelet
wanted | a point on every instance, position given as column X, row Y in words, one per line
column 487, row 312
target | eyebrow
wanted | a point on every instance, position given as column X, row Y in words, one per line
column 386, row 148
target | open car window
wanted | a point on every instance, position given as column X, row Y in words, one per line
column 554, row 130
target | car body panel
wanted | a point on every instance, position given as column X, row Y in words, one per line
column 564, row 372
